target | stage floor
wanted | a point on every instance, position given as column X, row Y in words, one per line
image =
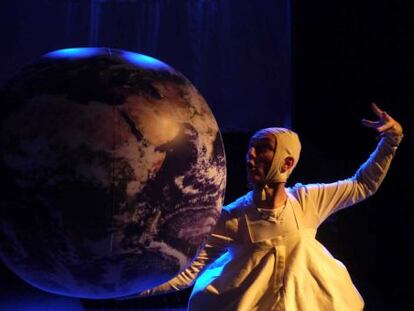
column 31, row 299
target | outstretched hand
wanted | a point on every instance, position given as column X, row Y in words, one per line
column 385, row 124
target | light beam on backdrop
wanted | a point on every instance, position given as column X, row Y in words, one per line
column 237, row 53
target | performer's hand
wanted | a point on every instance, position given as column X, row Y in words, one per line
column 386, row 124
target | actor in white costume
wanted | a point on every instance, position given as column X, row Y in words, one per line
column 263, row 254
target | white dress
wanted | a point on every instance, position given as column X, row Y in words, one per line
column 252, row 262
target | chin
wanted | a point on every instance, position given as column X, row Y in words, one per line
column 253, row 183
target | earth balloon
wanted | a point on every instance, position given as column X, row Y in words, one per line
column 113, row 172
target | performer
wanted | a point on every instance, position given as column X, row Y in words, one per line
column 263, row 254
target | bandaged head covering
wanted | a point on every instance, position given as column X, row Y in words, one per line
column 287, row 145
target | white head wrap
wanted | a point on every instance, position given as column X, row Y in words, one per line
column 287, row 145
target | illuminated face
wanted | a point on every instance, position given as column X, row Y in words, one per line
column 259, row 158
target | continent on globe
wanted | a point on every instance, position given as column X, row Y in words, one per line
column 113, row 172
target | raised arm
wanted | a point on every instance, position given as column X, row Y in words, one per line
column 329, row 198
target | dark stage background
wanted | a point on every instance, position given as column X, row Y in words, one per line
column 312, row 65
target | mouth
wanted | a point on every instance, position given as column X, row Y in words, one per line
column 251, row 169
column 250, row 166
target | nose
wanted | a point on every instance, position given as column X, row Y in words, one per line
column 251, row 153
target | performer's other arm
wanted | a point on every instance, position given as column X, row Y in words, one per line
column 215, row 246
column 329, row 198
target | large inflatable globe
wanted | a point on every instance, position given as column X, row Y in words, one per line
column 112, row 171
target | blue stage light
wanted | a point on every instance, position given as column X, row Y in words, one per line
column 75, row 53
column 144, row 60
column 134, row 58
column 214, row 271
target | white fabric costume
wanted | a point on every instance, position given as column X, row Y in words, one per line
column 255, row 262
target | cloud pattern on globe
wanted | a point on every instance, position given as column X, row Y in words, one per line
column 114, row 170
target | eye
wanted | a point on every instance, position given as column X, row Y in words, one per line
column 264, row 146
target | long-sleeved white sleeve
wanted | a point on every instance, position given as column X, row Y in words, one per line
column 215, row 246
column 331, row 197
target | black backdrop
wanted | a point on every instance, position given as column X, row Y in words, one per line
column 344, row 54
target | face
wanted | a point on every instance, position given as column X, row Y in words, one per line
column 259, row 158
